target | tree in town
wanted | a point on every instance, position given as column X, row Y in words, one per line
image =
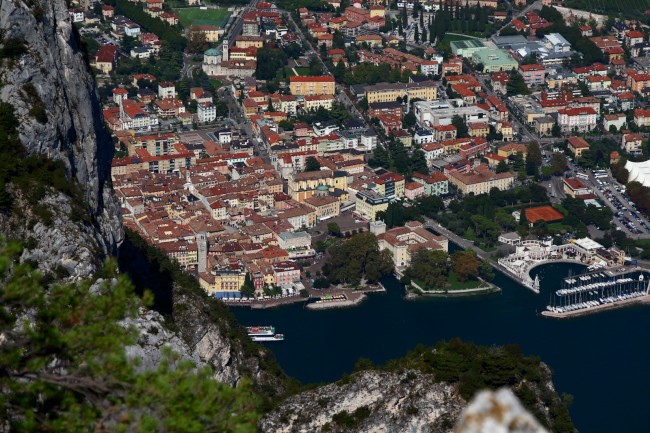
column 516, row 84
column 419, row 162
column 333, row 229
column 380, row 157
column 502, row 167
column 465, row 265
column 269, row 61
column 416, row 34
column 196, row 42
column 339, row 71
column 312, row 164
column 429, row 267
column 409, row 120
column 64, row 366
column 357, row 258
column 363, row 103
column 247, row 289
column 424, row 34
column 461, row 126
column 558, row 163
column 556, row 130
column 533, row 159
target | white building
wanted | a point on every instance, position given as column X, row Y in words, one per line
column 441, row 112
column 140, row 53
column 581, row 119
column 556, row 43
column 423, row 136
column 166, row 90
column 132, row 29
column 206, row 112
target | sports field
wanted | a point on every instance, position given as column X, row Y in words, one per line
column 198, row 16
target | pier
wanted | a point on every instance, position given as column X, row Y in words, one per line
column 598, row 291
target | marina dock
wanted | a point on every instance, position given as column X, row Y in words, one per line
column 599, row 291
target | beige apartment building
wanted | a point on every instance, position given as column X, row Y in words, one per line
column 481, row 180
column 314, row 85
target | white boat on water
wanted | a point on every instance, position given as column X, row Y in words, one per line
column 263, row 331
column 276, row 337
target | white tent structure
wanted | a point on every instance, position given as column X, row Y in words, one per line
column 639, row 172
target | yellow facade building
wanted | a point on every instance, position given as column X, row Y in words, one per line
column 389, row 92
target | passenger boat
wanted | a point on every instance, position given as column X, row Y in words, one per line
column 276, row 337
column 265, row 331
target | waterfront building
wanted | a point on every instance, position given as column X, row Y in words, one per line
column 403, row 242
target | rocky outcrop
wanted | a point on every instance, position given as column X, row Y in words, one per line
column 497, row 412
column 217, row 340
column 154, row 340
column 371, row 401
column 54, row 75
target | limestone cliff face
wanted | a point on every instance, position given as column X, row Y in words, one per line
column 73, row 133
column 370, row 401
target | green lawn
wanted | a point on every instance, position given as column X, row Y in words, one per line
column 452, row 284
column 216, row 84
column 302, row 71
column 197, row 16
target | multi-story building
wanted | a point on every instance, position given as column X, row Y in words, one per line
column 632, row 143
column 435, row 183
column 642, row 117
column 307, row 184
column 286, row 274
column 206, row 112
column 577, row 145
column 368, row 203
column 390, row 184
column 480, row 180
column 577, row 119
column 166, row 90
column 312, row 85
column 223, row 281
column 389, row 92
column 377, row 109
column 325, row 206
column 403, row 242
column 533, row 74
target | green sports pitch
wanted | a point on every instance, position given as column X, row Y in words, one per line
column 200, row 17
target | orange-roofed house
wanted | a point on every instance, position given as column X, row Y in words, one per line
column 577, row 145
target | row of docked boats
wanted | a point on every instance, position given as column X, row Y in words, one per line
column 594, row 303
column 331, row 298
column 263, row 333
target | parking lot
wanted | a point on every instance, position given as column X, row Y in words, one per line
column 626, row 216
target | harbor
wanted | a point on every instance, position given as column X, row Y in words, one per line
column 594, row 292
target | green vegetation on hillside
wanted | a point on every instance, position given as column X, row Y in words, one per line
column 475, row 367
column 63, row 365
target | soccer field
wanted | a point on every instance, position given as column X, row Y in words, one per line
column 197, row 16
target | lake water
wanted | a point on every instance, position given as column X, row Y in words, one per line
column 602, row 360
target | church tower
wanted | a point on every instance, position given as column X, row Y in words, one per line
column 202, row 246
column 224, row 50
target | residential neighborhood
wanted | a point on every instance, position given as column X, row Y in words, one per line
column 249, row 139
